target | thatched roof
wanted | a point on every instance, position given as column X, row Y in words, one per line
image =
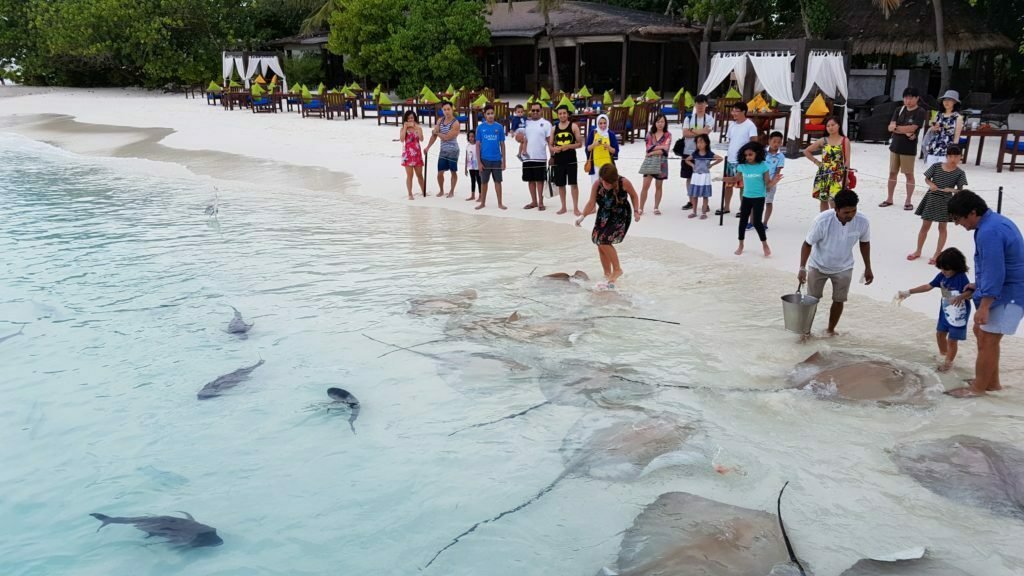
column 314, row 38
column 910, row 29
column 581, row 19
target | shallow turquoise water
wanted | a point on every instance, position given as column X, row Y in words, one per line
column 123, row 286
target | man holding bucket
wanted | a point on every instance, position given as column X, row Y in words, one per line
column 827, row 253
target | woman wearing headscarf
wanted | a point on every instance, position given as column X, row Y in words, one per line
column 602, row 147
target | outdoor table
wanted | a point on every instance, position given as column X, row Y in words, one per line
column 586, row 120
column 981, row 134
column 232, row 98
column 765, row 122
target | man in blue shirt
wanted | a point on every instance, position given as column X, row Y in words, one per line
column 998, row 290
column 490, row 149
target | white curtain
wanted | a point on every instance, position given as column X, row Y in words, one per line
column 721, row 66
column 773, row 71
column 740, row 73
column 254, row 63
column 228, row 64
column 827, row 71
column 275, row 65
column 239, row 66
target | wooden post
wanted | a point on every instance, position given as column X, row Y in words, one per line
column 661, row 71
column 625, row 55
column 703, row 65
column 536, row 67
column 578, row 58
column 889, row 73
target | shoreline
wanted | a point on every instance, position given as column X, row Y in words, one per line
column 363, row 157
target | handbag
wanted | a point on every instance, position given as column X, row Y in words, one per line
column 651, row 166
column 588, row 166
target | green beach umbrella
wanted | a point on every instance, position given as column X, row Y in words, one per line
column 213, row 87
column 651, row 94
column 429, row 96
column 732, row 93
column 355, row 86
column 608, row 101
column 451, row 89
column 544, row 94
column 688, row 100
column 679, row 96
column 566, row 102
column 584, row 93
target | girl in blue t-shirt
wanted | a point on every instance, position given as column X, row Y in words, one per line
column 753, row 173
column 956, row 302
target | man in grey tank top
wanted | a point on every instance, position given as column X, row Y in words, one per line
column 447, row 130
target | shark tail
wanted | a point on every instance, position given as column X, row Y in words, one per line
column 102, row 518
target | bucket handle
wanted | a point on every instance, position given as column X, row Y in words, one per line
column 798, row 287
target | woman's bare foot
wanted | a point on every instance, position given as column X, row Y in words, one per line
column 562, row 211
column 502, row 206
column 615, row 275
column 944, row 366
column 530, row 206
column 739, row 251
column 576, row 212
column 913, row 256
column 471, row 199
column 452, row 193
column 479, row 207
column 767, row 250
column 411, row 197
column 440, row 194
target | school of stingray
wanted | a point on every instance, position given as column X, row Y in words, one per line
column 618, row 440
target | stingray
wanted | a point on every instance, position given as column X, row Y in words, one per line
column 857, row 377
column 615, row 449
column 514, row 327
column 585, row 385
column 913, row 567
column 681, row 534
column 449, row 304
column 566, row 277
column 968, row 470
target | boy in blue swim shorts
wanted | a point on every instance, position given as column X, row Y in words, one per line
column 955, row 309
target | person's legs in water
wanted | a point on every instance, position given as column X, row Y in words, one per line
column 606, row 263
column 657, row 196
column 941, row 244
column 613, row 258
column 834, row 313
column 952, row 347
column 922, row 235
column 408, row 181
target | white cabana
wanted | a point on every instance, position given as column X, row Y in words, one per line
column 236, row 61
column 773, row 69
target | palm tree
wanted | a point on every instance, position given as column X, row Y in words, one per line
column 546, row 7
column 888, row 6
column 319, row 18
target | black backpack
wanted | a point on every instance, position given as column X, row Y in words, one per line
column 679, row 149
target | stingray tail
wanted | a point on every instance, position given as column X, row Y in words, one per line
column 785, row 536
column 102, row 518
column 473, row 528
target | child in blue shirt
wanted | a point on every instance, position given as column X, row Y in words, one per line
column 956, row 304
column 775, row 159
column 754, row 175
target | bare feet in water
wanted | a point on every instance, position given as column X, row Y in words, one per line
column 944, row 366
column 615, row 275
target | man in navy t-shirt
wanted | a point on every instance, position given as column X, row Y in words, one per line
column 490, row 149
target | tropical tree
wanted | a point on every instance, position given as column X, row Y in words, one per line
column 546, row 7
column 319, row 18
column 889, row 6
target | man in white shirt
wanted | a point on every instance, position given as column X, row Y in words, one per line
column 535, row 132
column 827, row 252
column 741, row 131
column 700, row 121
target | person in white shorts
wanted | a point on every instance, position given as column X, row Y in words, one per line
column 827, row 253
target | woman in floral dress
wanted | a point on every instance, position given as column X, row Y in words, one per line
column 611, row 197
column 411, row 135
column 834, row 163
column 945, row 129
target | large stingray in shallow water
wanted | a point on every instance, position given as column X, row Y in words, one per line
column 448, row 304
column 620, row 448
column 682, row 534
column 969, row 470
column 857, row 377
column 525, row 330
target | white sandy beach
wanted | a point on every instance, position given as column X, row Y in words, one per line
column 368, row 153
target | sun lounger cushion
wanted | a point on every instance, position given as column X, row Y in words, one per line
column 1020, row 146
column 669, row 110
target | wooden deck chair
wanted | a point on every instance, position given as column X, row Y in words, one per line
column 723, row 116
column 617, row 117
column 640, row 120
column 502, row 115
